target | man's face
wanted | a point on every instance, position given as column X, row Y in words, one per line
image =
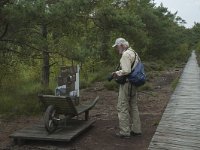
column 119, row 49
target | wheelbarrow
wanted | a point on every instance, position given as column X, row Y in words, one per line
column 57, row 106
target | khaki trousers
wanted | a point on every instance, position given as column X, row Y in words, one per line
column 127, row 108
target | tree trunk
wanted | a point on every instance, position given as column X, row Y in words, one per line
column 45, row 53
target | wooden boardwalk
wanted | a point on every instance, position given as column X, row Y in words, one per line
column 179, row 128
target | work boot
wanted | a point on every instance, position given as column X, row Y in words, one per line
column 135, row 134
column 123, row 136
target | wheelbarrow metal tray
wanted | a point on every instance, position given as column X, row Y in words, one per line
column 65, row 105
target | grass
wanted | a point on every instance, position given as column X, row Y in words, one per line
column 16, row 104
column 87, row 79
column 20, row 105
column 112, row 85
column 146, row 87
column 20, row 99
column 175, row 83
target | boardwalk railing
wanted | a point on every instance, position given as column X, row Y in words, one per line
column 179, row 128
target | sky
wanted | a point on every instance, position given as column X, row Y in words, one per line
column 188, row 10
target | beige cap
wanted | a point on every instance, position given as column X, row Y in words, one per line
column 120, row 41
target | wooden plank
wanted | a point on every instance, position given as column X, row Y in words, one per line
column 174, row 139
column 65, row 134
column 182, row 134
column 181, row 123
column 171, row 146
column 177, row 141
column 179, row 128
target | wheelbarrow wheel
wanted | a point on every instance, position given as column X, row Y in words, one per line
column 50, row 121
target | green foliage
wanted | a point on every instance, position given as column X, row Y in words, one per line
column 198, row 47
column 194, row 35
column 91, row 66
column 195, row 32
column 198, row 52
column 183, row 52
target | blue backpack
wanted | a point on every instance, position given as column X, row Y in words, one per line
column 137, row 77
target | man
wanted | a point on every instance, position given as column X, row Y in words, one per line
column 129, row 120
